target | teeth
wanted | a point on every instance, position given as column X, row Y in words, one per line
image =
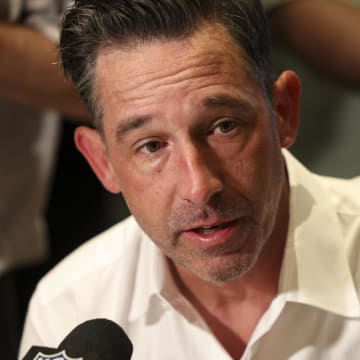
column 208, row 229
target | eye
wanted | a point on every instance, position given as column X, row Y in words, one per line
column 151, row 147
column 225, row 126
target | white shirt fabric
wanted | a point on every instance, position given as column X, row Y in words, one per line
column 121, row 275
column 28, row 142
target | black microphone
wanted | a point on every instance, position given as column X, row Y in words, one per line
column 97, row 339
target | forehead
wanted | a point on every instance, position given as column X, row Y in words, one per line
column 142, row 71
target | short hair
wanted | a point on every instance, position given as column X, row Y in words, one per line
column 91, row 25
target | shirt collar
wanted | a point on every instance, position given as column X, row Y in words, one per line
column 316, row 269
column 153, row 281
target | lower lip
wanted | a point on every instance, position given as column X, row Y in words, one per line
column 216, row 238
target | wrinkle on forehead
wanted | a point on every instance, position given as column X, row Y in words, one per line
column 174, row 62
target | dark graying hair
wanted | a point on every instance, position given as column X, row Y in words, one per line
column 93, row 24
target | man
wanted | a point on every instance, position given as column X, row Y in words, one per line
column 234, row 249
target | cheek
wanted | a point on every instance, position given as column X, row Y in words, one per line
column 144, row 194
column 256, row 171
column 251, row 163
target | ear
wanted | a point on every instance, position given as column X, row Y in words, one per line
column 287, row 90
column 90, row 144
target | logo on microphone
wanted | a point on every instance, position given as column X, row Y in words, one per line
column 59, row 356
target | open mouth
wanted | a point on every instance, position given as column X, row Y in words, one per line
column 208, row 230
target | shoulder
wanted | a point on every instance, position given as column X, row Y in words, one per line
column 113, row 247
column 331, row 204
column 95, row 281
column 338, row 195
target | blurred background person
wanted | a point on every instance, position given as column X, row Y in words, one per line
column 31, row 87
column 319, row 40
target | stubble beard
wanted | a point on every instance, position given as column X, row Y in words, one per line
column 223, row 263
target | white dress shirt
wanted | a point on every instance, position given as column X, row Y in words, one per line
column 121, row 275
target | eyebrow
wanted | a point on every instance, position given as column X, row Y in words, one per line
column 131, row 124
column 227, row 101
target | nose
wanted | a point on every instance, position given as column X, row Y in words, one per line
column 199, row 175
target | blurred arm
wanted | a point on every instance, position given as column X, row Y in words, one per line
column 30, row 73
column 323, row 32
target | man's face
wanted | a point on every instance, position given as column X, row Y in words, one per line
column 193, row 145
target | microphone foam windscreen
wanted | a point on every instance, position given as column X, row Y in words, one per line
column 98, row 338
column 35, row 351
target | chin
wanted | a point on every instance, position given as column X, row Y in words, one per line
column 225, row 271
